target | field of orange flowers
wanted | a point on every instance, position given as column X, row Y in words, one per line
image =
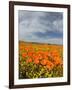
column 40, row 60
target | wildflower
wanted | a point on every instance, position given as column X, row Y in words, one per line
column 36, row 61
column 50, row 64
column 30, row 54
column 44, row 62
column 24, row 55
column 57, row 60
column 29, row 60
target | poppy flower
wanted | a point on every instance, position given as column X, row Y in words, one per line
column 57, row 60
column 24, row 55
column 44, row 62
column 29, row 60
column 36, row 61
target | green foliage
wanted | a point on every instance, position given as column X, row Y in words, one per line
column 32, row 70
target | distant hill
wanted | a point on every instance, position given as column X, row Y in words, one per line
column 39, row 43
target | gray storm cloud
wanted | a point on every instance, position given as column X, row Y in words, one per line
column 43, row 27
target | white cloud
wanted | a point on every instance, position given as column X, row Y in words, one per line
column 58, row 24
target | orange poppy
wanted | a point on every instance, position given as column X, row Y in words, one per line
column 57, row 60
column 30, row 53
column 24, row 55
column 44, row 62
column 36, row 61
column 50, row 64
column 29, row 60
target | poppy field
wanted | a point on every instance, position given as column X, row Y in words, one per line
column 40, row 60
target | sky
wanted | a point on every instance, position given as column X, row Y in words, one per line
column 40, row 26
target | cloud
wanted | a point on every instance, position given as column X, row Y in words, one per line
column 42, row 27
column 48, row 34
